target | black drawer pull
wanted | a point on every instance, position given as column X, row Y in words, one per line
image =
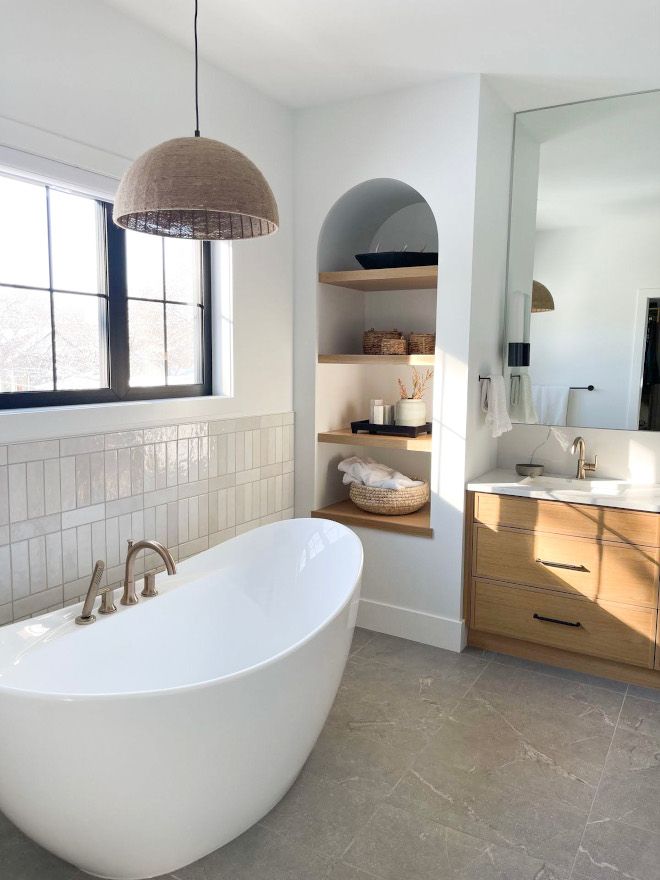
column 556, row 620
column 566, row 565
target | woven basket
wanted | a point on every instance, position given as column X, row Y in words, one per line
column 395, row 346
column 422, row 343
column 372, row 341
column 389, row 502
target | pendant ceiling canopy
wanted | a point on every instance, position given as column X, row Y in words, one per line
column 195, row 187
column 542, row 300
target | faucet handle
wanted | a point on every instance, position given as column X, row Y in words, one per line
column 149, row 585
column 590, row 466
column 107, row 605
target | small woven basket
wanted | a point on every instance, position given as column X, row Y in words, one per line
column 422, row 343
column 372, row 341
column 389, row 502
column 395, row 346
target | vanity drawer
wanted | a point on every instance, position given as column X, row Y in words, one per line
column 582, row 520
column 613, row 572
column 612, row 631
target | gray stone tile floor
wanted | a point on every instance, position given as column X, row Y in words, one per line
column 440, row 766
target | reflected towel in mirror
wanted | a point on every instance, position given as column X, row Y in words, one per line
column 551, row 403
column 522, row 407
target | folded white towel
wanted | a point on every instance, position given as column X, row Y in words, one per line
column 521, row 403
column 368, row 472
column 493, row 403
column 551, row 403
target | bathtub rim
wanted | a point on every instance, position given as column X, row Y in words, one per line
column 57, row 696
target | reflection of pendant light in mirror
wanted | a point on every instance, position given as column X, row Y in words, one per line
column 195, row 187
column 542, row 300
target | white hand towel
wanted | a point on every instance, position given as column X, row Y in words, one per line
column 522, row 407
column 368, row 472
column 493, row 403
column 551, row 403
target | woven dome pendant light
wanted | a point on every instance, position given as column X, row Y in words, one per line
column 195, row 187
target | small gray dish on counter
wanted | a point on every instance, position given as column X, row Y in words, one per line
column 529, row 470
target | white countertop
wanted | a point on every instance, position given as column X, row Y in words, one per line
column 601, row 492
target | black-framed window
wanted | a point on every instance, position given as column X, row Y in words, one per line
column 90, row 313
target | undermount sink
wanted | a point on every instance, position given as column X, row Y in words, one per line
column 588, row 487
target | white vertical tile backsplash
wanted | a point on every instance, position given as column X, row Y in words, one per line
column 68, row 482
column 52, row 494
column 17, row 492
column 35, row 489
column 123, row 472
column 65, row 503
column 83, row 481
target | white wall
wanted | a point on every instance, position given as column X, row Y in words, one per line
column 629, row 455
column 85, row 85
column 428, row 137
column 594, row 274
column 488, row 269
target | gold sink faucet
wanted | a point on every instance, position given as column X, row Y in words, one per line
column 583, row 466
column 129, row 597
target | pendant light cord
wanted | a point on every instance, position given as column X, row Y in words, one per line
column 196, row 79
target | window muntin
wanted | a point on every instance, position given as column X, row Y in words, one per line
column 91, row 313
column 163, row 285
column 53, row 299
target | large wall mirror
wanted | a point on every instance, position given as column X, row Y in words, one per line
column 583, row 288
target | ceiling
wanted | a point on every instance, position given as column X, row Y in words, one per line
column 308, row 52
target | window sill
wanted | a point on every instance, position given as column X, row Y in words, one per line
column 19, row 425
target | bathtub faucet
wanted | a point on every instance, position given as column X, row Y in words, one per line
column 107, row 605
column 129, row 597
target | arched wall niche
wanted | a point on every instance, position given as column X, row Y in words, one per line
column 382, row 209
column 391, row 214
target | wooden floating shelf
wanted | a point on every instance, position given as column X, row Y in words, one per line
column 414, row 360
column 408, row 278
column 346, row 512
column 347, row 437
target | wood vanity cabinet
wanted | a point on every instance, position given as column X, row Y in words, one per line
column 568, row 584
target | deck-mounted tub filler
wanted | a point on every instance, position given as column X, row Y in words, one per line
column 133, row 747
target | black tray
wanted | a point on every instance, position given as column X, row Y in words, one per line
column 397, row 259
column 391, row 430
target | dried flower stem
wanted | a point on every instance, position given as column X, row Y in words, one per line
column 419, row 383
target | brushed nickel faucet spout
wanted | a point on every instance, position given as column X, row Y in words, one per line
column 583, row 466
column 130, row 597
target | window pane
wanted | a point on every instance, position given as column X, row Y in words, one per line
column 144, row 265
column 23, row 233
column 26, row 361
column 182, row 270
column 183, row 345
column 80, row 360
column 146, row 342
column 74, row 242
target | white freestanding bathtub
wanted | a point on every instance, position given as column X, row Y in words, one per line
column 139, row 744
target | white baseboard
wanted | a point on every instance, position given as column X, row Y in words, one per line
column 418, row 626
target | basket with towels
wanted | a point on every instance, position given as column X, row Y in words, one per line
column 377, row 488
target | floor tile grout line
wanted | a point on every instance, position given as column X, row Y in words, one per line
column 362, row 870
column 600, row 779
column 368, row 822
column 362, row 647
column 567, row 678
column 487, row 665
